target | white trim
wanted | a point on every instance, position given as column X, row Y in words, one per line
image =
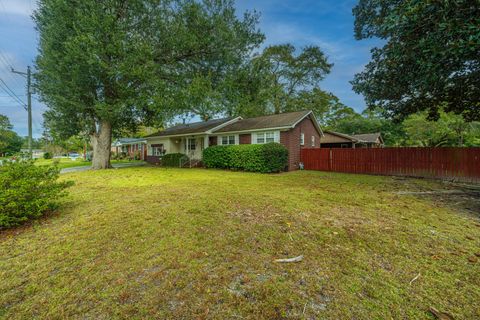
column 302, row 139
column 276, row 136
column 315, row 122
column 220, row 142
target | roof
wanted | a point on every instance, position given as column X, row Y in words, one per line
column 275, row 121
column 265, row 122
column 122, row 141
column 359, row 138
column 369, row 137
column 191, row 128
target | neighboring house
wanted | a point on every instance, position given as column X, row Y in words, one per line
column 332, row 139
column 295, row 130
column 130, row 146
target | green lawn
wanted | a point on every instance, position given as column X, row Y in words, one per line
column 148, row 242
column 69, row 163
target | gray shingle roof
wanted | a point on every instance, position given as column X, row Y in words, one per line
column 367, row 137
column 266, row 122
column 195, row 127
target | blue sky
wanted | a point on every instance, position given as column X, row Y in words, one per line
column 327, row 24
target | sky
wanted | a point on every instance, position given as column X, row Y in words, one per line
column 324, row 23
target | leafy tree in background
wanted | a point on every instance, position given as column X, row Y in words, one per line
column 107, row 66
column 449, row 130
column 325, row 105
column 430, row 60
column 10, row 142
column 285, row 74
column 371, row 121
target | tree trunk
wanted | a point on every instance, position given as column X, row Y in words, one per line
column 102, row 141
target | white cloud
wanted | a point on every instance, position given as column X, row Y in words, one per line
column 17, row 7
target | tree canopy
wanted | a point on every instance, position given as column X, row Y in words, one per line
column 430, row 59
column 106, row 66
column 10, row 142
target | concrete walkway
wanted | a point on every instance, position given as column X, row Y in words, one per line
column 115, row 166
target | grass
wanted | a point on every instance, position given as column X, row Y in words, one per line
column 159, row 243
column 69, row 163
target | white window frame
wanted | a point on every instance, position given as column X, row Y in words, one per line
column 189, row 146
column 313, row 141
column 228, row 136
column 302, row 139
column 157, row 151
column 263, row 136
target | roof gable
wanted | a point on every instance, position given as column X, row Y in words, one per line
column 191, row 128
column 282, row 120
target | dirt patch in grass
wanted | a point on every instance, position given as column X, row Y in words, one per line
column 179, row 244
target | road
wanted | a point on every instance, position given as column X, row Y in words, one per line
column 115, row 166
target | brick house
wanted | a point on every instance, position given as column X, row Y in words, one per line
column 295, row 130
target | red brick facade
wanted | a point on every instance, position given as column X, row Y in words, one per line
column 291, row 140
column 245, row 138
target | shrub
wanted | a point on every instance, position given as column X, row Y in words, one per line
column 27, row 191
column 173, row 159
column 217, row 157
column 270, row 157
column 47, row 155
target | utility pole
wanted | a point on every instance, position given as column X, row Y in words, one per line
column 28, row 74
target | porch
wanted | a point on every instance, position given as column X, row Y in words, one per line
column 192, row 146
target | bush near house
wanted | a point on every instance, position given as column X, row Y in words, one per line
column 27, row 191
column 265, row 158
column 173, row 159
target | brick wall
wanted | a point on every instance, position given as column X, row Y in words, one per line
column 245, row 138
column 291, row 140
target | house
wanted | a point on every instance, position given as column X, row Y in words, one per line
column 295, row 130
column 332, row 139
column 130, row 146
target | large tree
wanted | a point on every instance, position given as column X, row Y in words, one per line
column 285, row 73
column 430, row 58
column 108, row 66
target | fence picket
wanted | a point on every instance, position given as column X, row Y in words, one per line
column 447, row 163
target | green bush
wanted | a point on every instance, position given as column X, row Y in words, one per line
column 217, row 157
column 47, row 155
column 27, row 191
column 266, row 158
column 173, row 159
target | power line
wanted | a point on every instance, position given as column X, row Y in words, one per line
column 8, row 66
column 10, row 92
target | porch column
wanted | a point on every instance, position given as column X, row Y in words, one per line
column 205, row 142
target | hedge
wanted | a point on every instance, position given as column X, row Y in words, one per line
column 28, row 191
column 266, row 158
column 173, row 159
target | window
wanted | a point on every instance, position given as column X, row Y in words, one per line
column 302, row 139
column 313, row 141
column 191, row 144
column 266, row 137
column 157, row 150
column 226, row 140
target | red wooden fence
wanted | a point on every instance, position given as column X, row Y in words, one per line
column 445, row 163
